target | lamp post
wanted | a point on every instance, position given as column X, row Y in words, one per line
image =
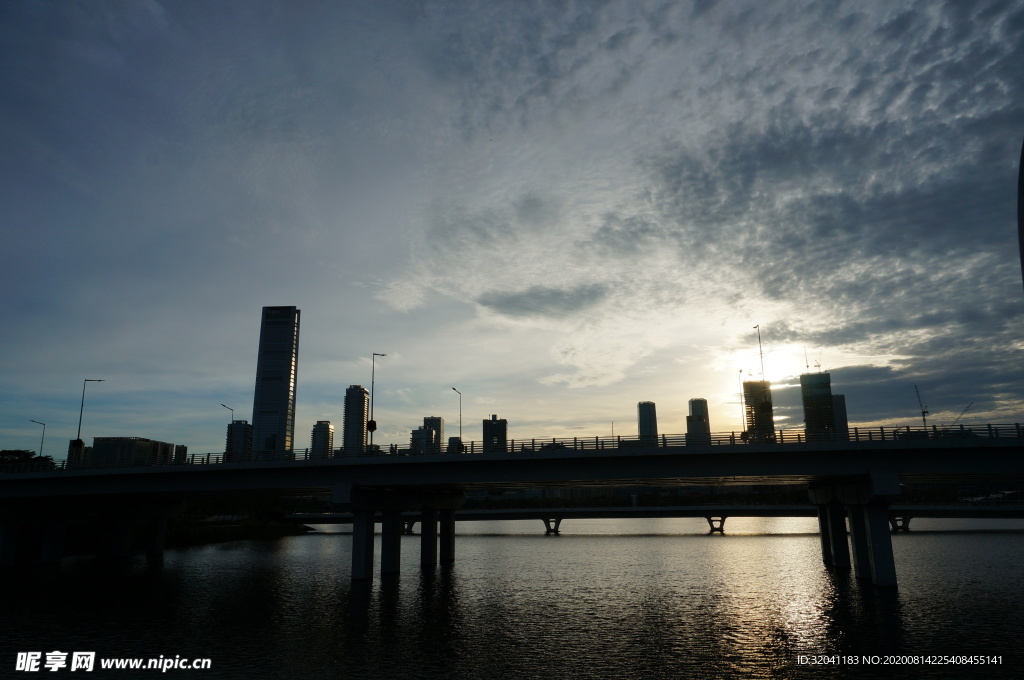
column 372, row 424
column 232, row 411
column 460, row 416
column 43, row 438
column 82, row 408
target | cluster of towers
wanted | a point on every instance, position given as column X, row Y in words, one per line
column 824, row 413
column 698, row 425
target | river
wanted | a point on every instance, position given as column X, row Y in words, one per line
column 654, row 598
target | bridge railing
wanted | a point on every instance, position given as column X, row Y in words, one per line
column 556, row 445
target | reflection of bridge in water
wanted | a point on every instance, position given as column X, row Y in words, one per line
column 852, row 486
column 714, row 515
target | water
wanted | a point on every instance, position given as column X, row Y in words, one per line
column 653, row 598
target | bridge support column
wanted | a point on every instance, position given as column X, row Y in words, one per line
column 837, row 535
column 551, row 526
column 52, row 549
column 428, row 538
column 883, row 566
column 10, row 543
column 390, row 542
column 825, row 534
column 119, row 536
column 901, row 523
column 362, row 545
column 447, row 518
column 716, row 524
column 157, row 537
column 859, row 542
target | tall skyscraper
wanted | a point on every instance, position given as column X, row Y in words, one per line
column 819, row 413
column 436, row 424
column 239, row 441
column 757, row 403
column 322, row 441
column 647, row 422
column 357, row 412
column 277, row 374
column 495, row 435
column 698, row 425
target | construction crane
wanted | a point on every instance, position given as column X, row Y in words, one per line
column 966, row 408
column 924, row 409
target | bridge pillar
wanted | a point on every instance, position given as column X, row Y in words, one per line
column 825, row 534
column 390, row 541
column 52, row 549
column 837, row 535
column 716, row 524
column 428, row 538
column 362, row 545
column 883, row 566
column 10, row 543
column 901, row 523
column 119, row 536
column 859, row 542
column 447, row 519
column 551, row 526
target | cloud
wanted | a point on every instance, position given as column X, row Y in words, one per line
column 543, row 301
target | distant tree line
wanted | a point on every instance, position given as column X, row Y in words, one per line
column 23, row 460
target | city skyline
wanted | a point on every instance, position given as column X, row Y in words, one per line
column 562, row 210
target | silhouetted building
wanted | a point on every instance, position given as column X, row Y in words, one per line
column 698, row 424
column 277, row 372
column 819, row 414
column 436, row 424
column 455, row 445
column 180, row 453
column 495, row 435
column 647, row 422
column 129, row 451
column 357, row 412
column 239, row 441
column 423, row 441
column 322, row 441
column 757, row 404
column 839, row 410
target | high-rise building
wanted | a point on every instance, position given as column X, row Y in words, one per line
column 277, row 372
column 455, row 445
column 423, row 440
column 495, row 435
column 436, row 424
column 698, row 425
column 322, row 441
column 125, row 451
column 819, row 413
column 647, row 422
column 842, row 423
column 757, row 404
column 357, row 412
column 239, row 441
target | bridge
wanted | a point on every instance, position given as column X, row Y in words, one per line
column 850, row 482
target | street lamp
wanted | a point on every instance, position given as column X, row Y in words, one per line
column 372, row 424
column 232, row 411
column 460, row 416
column 42, row 438
column 82, row 408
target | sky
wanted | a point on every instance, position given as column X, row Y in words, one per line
column 559, row 208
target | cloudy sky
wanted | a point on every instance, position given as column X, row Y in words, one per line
column 560, row 208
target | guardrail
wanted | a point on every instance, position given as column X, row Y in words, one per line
column 555, row 445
